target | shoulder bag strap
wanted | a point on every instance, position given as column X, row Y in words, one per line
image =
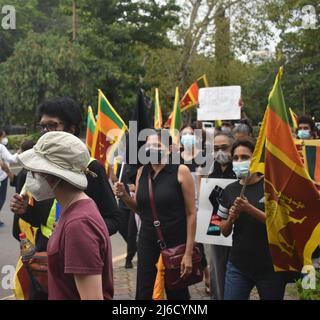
column 156, row 221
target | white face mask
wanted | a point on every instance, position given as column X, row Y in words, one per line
column 4, row 141
column 222, row 157
column 39, row 187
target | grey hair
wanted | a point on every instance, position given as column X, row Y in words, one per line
column 225, row 134
column 242, row 128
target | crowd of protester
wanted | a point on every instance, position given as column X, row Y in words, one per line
column 76, row 206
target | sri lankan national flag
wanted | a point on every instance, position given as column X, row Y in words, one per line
column 157, row 111
column 309, row 151
column 176, row 119
column 292, row 202
column 108, row 132
column 191, row 97
column 91, row 124
column 294, row 119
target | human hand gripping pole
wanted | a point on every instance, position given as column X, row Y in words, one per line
column 120, row 178
column 118, row 188
column 241, row 202
column 243, row 190
column 19, row 202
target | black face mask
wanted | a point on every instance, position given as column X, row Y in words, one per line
column 154, row 155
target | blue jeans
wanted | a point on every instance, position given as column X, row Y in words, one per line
column 238, row 285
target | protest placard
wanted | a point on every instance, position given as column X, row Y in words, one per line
column 219, row 103
column 208, row 223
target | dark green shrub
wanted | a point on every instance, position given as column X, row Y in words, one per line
column 15, row 141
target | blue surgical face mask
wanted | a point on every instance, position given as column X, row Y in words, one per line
column 304, row 134
column 241, row 169
column 188, row 141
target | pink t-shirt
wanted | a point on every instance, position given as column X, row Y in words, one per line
column 80, row 244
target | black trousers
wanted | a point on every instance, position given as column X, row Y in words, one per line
column 128, row 230
column 204, row 261
column 3, row 192
column 148, row 255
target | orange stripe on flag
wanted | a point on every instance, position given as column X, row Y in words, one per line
column 275, row 128
column 317, row 168
column 107, row 124
column 194, row 92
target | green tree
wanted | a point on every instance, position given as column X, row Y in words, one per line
column 113, row 42
column 31, row 15
column 120, row 35
column 299, row 51
column 41, row 66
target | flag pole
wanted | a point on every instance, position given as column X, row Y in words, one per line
column 120, row 178
column 121, row 171
column 243, row 190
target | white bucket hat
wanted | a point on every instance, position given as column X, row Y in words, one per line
column 60, row 154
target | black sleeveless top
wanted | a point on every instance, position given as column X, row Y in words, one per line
column 169, row 203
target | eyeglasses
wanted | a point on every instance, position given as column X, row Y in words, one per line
column 49, row 126
column 223, row 147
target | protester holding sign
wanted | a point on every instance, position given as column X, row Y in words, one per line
column 250, row 262
column 219, row 254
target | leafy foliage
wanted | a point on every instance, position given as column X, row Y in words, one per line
column 121, row 45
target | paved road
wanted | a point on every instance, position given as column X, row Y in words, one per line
column 9, row 247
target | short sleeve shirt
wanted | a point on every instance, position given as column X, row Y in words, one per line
column 80, row 244
column 250, row 251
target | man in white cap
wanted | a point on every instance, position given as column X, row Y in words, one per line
column 79, row 250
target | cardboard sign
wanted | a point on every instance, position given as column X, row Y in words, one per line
column 208, row 230
column 219, row 103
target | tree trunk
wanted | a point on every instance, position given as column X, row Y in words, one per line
column 222, row 48
column 74, row 20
